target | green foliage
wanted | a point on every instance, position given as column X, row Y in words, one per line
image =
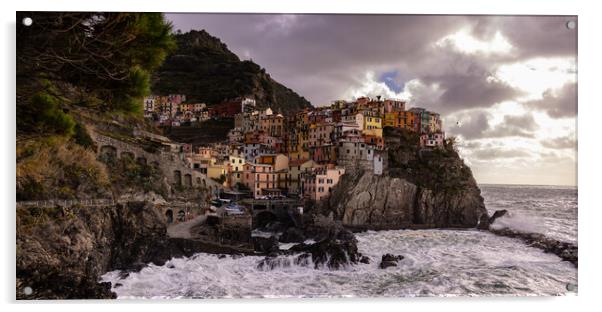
column 30, row 189
column 439, row 169
column 101, row 58
column 127, row 172
column 206, row 71
column 46, row 116
column 82, row 137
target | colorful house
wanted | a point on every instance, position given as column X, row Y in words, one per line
column 318, row 183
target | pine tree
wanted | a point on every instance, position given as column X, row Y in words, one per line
column 100, row 60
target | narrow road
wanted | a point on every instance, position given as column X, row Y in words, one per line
column 182, row 230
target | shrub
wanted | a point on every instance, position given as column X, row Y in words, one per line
column 48, row 117
column 82, row 137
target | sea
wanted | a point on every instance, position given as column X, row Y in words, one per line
column 436, row 262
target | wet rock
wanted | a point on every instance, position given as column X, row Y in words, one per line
column 292, row 235
column 270, row 263
column 483, row 222
column 386, row 264
column 303, row 259
column 335, row 251
column 389, row 260
column 265, row 244
column 566, row 251
column 497, row 214
column 365, row 260
column 390, row 257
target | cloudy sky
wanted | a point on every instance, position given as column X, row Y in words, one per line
column 504, row 85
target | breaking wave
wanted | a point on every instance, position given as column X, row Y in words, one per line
column 436, row 262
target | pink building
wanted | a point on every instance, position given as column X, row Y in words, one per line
column 259, row 177
column 321, row 134
column 432, row 139
column 318, row 184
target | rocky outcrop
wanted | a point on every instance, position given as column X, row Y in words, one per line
column 420, row 189
column 389, row 260
column 367, row 201
column 497, row 214
column 378, row 200
column 335, row 248
column 566, row 251
column 62, row 252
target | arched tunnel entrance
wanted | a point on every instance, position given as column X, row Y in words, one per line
column 181, row 216
column 169, row 216
column 264, row 219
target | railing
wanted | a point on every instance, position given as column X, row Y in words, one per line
column 67, row 203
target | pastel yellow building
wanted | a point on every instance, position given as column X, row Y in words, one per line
column 216, row 171
column 372, row 124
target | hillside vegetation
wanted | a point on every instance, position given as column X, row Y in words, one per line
column 206, row 71
column 74, row 69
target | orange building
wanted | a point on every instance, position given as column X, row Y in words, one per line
column 405, row 119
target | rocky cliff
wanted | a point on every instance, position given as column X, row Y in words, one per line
column 205, row 70
column 63, row 251
column 420, row 189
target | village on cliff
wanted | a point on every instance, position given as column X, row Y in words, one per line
column 302, row 155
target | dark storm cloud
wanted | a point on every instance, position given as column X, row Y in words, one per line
column 522, row 126
column 558, row 103
column 470, row 90
column 472, row 126
column 321, row 56
column 476, row 126
column 326, row 57
column 540, row 36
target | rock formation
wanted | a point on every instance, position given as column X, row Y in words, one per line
column 62, row 252
column 420, row 189
column 389, row 260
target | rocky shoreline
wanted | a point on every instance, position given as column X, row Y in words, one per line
column 65, row 258
column 566, row 251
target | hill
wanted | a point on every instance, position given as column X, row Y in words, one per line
column 206, row 71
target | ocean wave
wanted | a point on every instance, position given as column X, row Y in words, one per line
column 436, row 263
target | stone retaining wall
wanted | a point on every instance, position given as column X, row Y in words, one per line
column 172, row 165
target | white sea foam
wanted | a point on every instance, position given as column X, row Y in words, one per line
column 551, row 211
column 520, row 222
column 436, row 263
